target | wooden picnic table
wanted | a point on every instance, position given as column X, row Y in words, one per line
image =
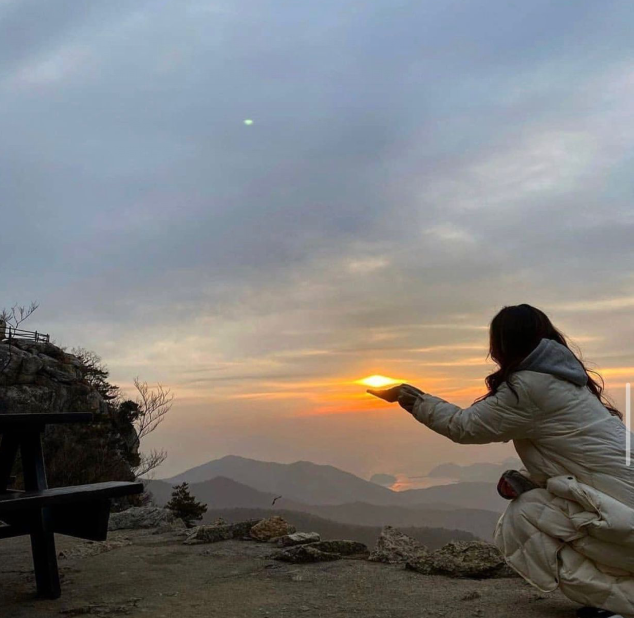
column 81, row 511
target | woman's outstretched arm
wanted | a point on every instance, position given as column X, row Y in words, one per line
column 498, row 418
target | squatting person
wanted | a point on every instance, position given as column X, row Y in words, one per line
column 570, row 521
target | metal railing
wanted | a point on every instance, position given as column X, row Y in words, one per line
column 24, row 335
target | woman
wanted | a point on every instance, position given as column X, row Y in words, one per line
column 571, row 524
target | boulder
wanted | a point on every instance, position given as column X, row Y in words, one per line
column 177, row 527
column 395, row 547
column 142, row 517
column 464, row 559
column 271, row 528
column 301, row 554
column 298, row 538
column 222, row 532
column 342, row 548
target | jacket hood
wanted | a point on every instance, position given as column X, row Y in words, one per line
column 551, row 357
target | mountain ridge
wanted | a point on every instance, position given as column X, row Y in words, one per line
column 223, row 493
column 321, row 485
column 301, row 481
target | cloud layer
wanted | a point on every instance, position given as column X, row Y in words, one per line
column 411, row 168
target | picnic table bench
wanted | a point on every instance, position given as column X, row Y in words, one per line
column 81, row 511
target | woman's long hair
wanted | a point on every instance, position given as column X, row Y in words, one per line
column 514, row 333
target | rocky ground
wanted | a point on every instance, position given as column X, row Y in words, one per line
column 142, row 573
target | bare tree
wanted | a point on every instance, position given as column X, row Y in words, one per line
column 134, row 418
column 153, row 405
column 147, row 412
column 18, row 314
column 12, row 318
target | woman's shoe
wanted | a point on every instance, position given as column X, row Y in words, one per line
column 513, row 483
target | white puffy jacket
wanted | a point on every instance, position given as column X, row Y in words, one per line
column 576, row 532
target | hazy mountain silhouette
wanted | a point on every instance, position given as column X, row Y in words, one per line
column 310, row 483
column 301, row 481
column 457, row 495
column 223, row 493
column 487, row 472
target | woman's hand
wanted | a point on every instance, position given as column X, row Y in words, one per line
column 387, row 394
column 405, row 394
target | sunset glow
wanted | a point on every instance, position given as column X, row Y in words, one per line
column 369, row 222
column 377, row 381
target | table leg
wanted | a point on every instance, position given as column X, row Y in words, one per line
column 33, row 461
column 42, row 537
column 45, row 555
column 8, row 451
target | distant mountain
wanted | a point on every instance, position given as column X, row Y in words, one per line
column 386, row 480
column 433, row 538
column 459, row 495
column 488, row 472
column 301, row 481
column 309, row 483
column 223, row 493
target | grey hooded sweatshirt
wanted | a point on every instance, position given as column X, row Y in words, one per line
column 551, row 357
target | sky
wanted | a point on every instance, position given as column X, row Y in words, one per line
column 411, row 168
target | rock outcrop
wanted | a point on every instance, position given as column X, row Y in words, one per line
column 343, row 548
column 321, row 551
column 40, row 377
column 395, row 547
column 297, row 538
column 458, row 559
column 465, row 559
column 298, row 547
column 302, row 554
column 271, row 528
column 223, row 532
column 144, row 517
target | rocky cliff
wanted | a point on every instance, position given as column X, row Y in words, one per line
column 43, row 378
column 40, row 377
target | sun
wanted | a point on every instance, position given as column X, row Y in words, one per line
column 377, row 381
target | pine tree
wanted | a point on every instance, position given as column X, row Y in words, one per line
column 185, row 506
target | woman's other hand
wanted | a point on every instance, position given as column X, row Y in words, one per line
column 407, row 396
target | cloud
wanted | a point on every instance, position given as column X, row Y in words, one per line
column 408, row 173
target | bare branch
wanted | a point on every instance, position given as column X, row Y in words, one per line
column 13, row 318
column 149, row 462
column 18, row 314
column 96, row 373
column 153, row 404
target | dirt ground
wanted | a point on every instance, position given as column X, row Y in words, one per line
column 151, row 575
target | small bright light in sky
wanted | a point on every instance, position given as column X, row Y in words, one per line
column 377, row 381
column 248, row 121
